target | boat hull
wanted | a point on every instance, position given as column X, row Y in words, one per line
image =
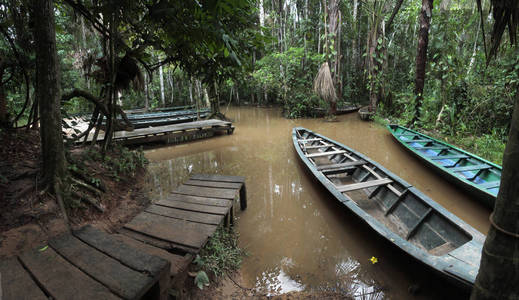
column 472, row 181
column 456, row 256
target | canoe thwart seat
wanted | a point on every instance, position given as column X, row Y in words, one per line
column 432, row 148
column 413, row 229
column 456, row 156
column 363, row 185
column 393, row 205
column 318, row 146
column 341, row 165
column 490, row 185
column 479, row 167
column 417, row 141
column 309, row 140
column 318, row 154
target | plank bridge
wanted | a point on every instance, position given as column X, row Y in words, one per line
column 140, row 261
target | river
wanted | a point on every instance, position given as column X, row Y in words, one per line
column 297, row 235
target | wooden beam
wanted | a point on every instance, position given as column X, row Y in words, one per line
column 470, row 168
column 490, row 185
column 363, row 185
column 338, row 166
column 325, row 153
column 413, row 229
column 457, row 156
column 309, row 140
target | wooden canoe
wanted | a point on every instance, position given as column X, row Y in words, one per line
column 472, row 173
column 320, row 112
column 393, row 208
column 365, row 114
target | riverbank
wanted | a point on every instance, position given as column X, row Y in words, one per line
column 30, row 216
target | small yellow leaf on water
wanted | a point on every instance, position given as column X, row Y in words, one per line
column 44, row 248
column 374, row 260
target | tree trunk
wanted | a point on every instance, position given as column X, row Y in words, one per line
column 3, row 100
column 499, row 269
column 421, row 55
column 146, row 93
column 48, row 95
column 162, row 98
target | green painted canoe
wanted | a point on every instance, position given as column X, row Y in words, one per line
column 472, row 173
column 392, row 207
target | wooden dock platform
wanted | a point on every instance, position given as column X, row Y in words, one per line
column 141, row 261
column 171, row 133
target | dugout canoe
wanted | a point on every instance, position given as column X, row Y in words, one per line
column 393, row 208
column 321, row 112
column 475, row 175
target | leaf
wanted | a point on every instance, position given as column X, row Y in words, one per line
column 201, row 280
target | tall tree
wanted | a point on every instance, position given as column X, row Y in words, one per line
column 421, row 55
column 48, row 95
column 499, row 270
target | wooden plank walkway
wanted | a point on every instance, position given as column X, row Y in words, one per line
column 141, row 261
column 171, row 133
column 86, row 264
column 198, row 207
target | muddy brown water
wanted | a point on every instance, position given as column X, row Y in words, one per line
column 297, row 235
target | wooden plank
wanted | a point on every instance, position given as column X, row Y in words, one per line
column 199, row 200
column 217, row 210
column 432, row 148
column 60, row 279
column 393, row 205
column 417, row 141
column 318, row 146
column 177, row 262
column 309, row 140
column 489, row 185
column 363, row 185
column 457, row 156
column 177, row 231
column 157, row 242
column 413, row 229
column 105, row 243
column 328, row 153
column 217, row 177
column 342, row 165
column 216, row 184
column 184, row 214
column 206, row 192
column 470, row 168
column 120, row 279
column 16, row 283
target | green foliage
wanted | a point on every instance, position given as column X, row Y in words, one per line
column 289, row 75
column 201, row 279
column 221, row 253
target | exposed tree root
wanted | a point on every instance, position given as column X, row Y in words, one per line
column 86, row 186
column 92, row 181
column 85, row 198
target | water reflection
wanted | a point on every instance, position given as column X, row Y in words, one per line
column 297, row 235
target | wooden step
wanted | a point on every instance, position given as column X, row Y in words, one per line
column 363, row 185
column 328, row 153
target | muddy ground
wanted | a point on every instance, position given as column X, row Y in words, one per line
column 29, row 215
